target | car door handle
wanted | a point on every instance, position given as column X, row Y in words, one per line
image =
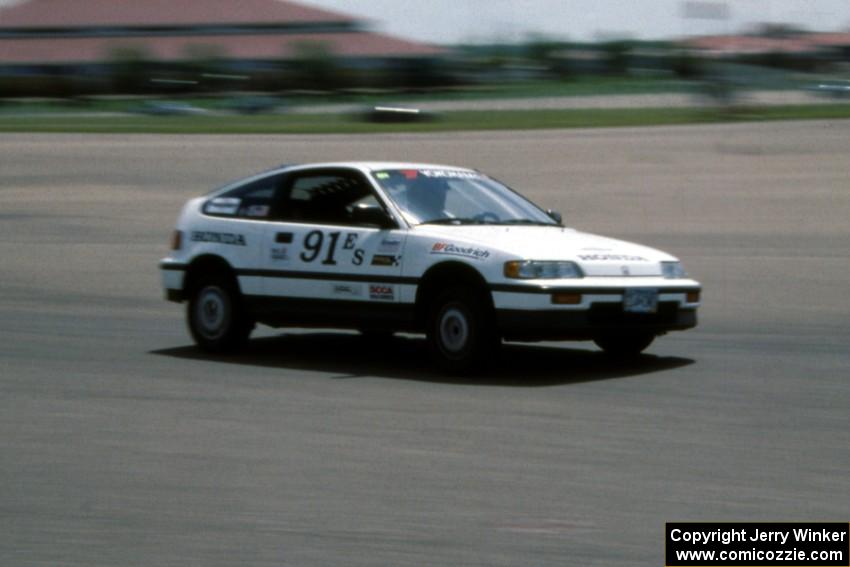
column 283, row 238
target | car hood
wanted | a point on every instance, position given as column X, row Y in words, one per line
column 597, row 255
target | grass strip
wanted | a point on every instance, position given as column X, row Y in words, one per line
column 446, row 122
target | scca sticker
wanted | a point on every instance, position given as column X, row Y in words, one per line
column 464, row 251
column 381, row 292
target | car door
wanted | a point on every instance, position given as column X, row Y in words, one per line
column 315, row 251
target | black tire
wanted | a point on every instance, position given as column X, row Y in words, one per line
column 461, row 331
column 624, row 345
column 216, row 316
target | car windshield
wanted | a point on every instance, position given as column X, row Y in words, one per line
column 450, row 196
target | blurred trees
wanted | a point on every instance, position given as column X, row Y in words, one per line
column 130, row 69
column 616, row 55
column 549, row 55
column 314, row 67
column 685, row 65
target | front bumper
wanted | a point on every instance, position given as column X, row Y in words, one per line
column 527, row 312
column 600, row 319
column 172, row 274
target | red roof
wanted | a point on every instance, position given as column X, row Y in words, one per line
column 76, row 13
column 176, row 45
column 175, row 48
column 831, row 39
column 759, row 44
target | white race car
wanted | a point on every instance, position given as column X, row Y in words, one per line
column 385, row 247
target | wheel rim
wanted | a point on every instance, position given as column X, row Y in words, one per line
column 454, row 330
column 212, row 312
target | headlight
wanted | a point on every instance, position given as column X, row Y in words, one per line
column 534, row 270
column 673, row 270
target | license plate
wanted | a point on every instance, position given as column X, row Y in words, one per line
column 640, row 300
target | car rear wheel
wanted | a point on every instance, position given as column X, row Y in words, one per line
column 624, row 344
column 217, row 320
column 461, row 331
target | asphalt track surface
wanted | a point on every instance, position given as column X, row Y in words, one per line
column 120, row 444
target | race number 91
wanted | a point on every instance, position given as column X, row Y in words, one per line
column 315, row 240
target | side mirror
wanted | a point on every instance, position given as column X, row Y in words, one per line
column 371, row 215
column 556, row 216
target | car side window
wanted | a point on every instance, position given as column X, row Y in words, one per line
column 251, row 201
column 326, row 197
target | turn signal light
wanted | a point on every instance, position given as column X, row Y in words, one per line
column 693, row 297
column 566, row 298
column 176, row 240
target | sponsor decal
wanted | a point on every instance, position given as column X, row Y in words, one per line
column 449, row 174
column 219, row 238
column 611, row 258
column 257, row 211
column 280, row 253
column 389, row 245
column 381, row 292
column 347, row 290
column 385, row 260
column 464, row 251
column 223, row 206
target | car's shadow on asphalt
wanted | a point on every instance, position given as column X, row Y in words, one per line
column 406, row 358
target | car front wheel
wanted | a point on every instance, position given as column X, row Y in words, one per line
column 461, row 332
column 215, row 316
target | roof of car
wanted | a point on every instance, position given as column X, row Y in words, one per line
column 367, row 166
column 377, row 165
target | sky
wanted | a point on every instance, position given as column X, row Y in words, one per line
column 452, row 21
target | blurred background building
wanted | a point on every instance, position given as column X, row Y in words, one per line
column 70, row 49
column 132, row 46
